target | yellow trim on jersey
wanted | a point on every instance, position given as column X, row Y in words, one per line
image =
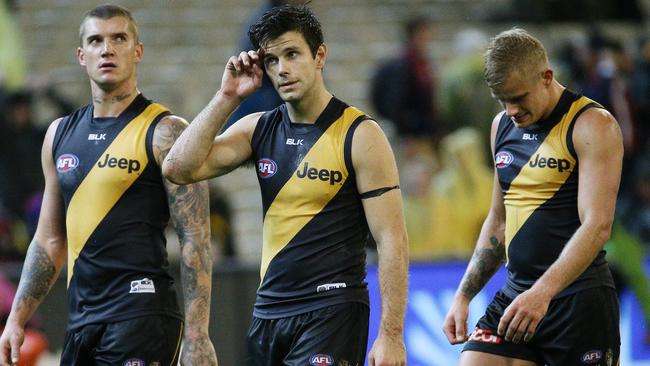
column 102, row 188
column 178, row 346
column 533, row 186
column 301, row 199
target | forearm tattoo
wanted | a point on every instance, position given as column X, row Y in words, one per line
column 189, row 210
column 198, row 352
column 484, row 263
column 39, row 274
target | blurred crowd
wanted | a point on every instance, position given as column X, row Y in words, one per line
column 441, row 117
column 437, row 116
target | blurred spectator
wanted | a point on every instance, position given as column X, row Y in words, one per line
column 21, row 178
column 625, row 110
column 576, row 10
column 265, row 98
column 606, row 78
column 641, row 92
column 221, row 225
column 635, row 210
column 596, row 71
column 464, row 100
column 403, row 88
column 444, row 218
column 12, row 57
column 20, row 147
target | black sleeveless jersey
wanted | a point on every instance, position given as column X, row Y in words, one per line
column 537, row 168
column 315, row 230
column 116, row 211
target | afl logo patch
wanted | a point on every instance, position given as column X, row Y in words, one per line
column 266, row 168
column 321, row 360
column 503, row 159
column 66, row 163
column 134, row 362
column 591, row 357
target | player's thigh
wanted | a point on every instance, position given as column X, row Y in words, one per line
column 335, row 335
column 79, row 345
column 267, row 341
column 153, row 340
column 475, row 358
column 582, row 328
column 485, row 342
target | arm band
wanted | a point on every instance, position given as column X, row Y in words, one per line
column 377, row 192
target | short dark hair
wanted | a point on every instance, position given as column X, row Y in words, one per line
column 287, row 18
column 109, row 11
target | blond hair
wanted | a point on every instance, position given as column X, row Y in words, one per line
column 514, row 50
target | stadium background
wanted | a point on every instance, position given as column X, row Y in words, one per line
column 187, row 43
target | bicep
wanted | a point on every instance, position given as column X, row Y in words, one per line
column 598, row 144
column 375, row 169
column 188, row 204
column 497, row 213
column 51, row 229
column 372, row 158
column 231, row 148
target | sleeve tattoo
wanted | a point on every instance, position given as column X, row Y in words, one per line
column 483, row 265
column 39, row 273
column 189, row 210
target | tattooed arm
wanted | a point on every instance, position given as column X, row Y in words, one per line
column 488, row 256
column 200, row 153
column 189, row 210
column 45, row 258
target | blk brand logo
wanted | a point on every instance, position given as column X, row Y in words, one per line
column 97, row 136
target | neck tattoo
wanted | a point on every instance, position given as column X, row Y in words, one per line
column 115, row 99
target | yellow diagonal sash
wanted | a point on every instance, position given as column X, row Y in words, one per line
column 534, row 186
column 300, row 199
column 102, row 187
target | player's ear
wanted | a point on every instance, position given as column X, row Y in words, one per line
column 139, row 51
column 81, row 57
column 547, row 75
column 321, row 56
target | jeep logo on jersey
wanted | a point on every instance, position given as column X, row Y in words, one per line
column 321, row 360
column 502, row 159
column 266, row 168
column 542, row 162
column 66, row 162
column 133, row 362
column 591, row 357
column 131, row 165
column 333, row 176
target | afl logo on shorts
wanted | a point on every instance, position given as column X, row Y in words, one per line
column 133, row 362
column 266, row 168
column 503, row 159
column 66, row 162
column 321, row 360
column 591, row 357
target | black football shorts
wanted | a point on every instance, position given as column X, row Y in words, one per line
column 578, row 329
